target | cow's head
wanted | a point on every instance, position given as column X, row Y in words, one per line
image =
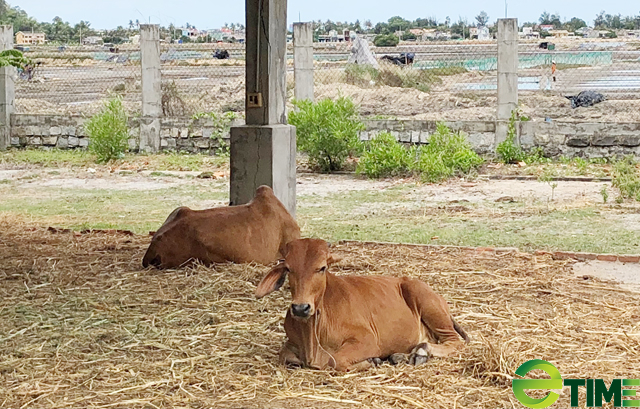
column 307, row 262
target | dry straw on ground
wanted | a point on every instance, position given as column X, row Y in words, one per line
column 81, row 325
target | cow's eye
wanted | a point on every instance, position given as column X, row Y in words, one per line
column 322, row 269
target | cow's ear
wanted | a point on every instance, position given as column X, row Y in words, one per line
column 272, row 281
column 333, row 259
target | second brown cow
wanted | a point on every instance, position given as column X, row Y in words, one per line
column 352, row 322
column 255, row 232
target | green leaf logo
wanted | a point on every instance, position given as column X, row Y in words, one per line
column 519, row 385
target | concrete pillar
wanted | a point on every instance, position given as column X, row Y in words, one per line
column 7, row 104
column 303, row 60
column 151, row 88
column 507, row 74
column 6, row 38
column 264, row 150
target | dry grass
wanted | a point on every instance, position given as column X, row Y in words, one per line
column 81, row 325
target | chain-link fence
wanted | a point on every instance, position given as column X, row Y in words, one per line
column 420, row 81
column 202, row 78
column 75, row 80
column 551, row 71
column 458, row 81
column 436, row 80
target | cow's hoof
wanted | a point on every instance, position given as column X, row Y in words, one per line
column 397, row 359
column 375, row 361
column 420, row 355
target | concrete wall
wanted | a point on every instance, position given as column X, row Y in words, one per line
column 68, row 132
column 198, row 136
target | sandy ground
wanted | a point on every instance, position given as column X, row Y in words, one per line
column 627, row 274
column 313, row 185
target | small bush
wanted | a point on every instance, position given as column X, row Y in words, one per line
column 447, row 154
column 365, row 76
column 626, row 178
column 361, row 75
column 327, row 131
column 510, row 152
column 386, row 40
column 221, row 127
column 385, row 156
column 109, row 131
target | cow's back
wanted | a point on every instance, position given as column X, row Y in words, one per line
column 238, row 233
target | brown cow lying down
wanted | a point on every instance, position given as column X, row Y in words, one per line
column 353, row 322
column 257, row 231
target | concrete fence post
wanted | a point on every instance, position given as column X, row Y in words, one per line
column 6, row 38
column 7, row 104
column 507, row 74
column 151, row 88
column 263, row 152
column 303, row 60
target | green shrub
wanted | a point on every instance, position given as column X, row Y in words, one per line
column 327, row 131
column 221, row 126
column 108, row 131
column 447, row 154
column 13, row 58
column 626, row 177
column 386, row 40
column 384, row 156
column 409, row 36
column 508, row 151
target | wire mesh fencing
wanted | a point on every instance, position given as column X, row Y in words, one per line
column 580, row 80
column 435, row 80
column 420, row 81
column 76, row 80
column 199, row 79
column 458, row 80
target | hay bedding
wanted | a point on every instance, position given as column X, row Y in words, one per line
column 82, row 326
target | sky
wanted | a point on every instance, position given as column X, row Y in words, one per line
column 215, row 13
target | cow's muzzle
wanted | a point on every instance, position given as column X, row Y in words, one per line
column 301, row 310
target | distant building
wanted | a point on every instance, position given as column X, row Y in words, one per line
column 560, row 33
column 23, row 38
column 528, row 33
column 135, row 39
column 483, row 33
column 334, row 37
column 191, row 33
column 92, row 40
column 546, row 27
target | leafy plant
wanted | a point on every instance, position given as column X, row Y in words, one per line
column 605, row 194
column 447, row 154
column 13, row 58
column 386, row 40
column 384, row 156
column 221, row 127
column 547, row 176
column 508, row 151
column 626, row 178
column 327, row 131
column 109, row 131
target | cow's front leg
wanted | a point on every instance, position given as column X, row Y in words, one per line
column 288, row 356
column 355, row 356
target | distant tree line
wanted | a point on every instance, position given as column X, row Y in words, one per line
column 59, row 31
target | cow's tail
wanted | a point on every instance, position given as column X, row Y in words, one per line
column 460, row 331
